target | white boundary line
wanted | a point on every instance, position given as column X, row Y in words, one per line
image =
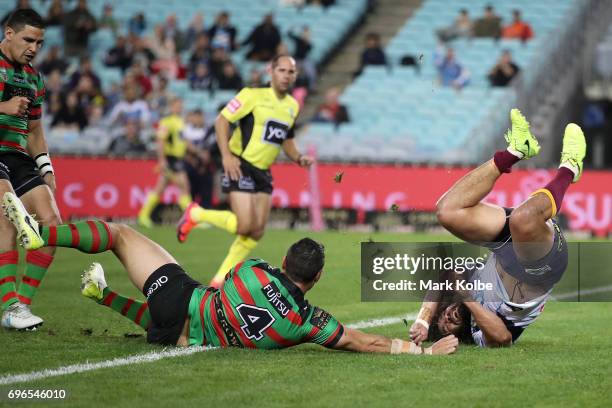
column 158, row 355
column 570, row 295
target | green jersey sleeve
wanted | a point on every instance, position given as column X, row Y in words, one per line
column 323, row 328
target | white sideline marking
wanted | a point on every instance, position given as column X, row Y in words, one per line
column 157, row 355
column 601, row 289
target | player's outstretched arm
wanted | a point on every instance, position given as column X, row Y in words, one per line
column 495, row 332
column 419, row 330
column 39, row 151
column 355, row 340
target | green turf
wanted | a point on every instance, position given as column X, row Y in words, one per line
column 562, row 360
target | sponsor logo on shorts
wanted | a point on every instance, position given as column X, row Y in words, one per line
column 159, row 282
column 276, row 299
column 233, row 105
column 246, row 183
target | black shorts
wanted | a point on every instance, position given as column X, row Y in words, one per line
column 21, row 171
column 168, row 291
column 253, row 180
column 175, row 164
column 545, row 272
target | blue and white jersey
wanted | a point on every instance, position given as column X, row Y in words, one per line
column 516, row 316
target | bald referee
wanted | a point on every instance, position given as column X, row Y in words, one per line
column 264, row 119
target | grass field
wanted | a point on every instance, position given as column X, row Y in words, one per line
column 564, row 359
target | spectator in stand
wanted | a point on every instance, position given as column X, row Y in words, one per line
column 108, row 20
column 53, row 61
column 141, row 51
column 201, row 52
column 120, row 56
column 137, row 24
column 140, row 76
column 332, row 111
column 504, row 71
column 19, row 5
column 53, row 84
column 85, row 69
column 222, row 33
column 217, row 60
column 488, row 25
column 165, row 52
column 172, row 31
column 303, row 46
column 131, row 107
column 55, row 15
column 160, row 97
column 450, row 71
column 71, row 115
column 518, row 28
column 195, row 29
column 78, row 25
column 230, row 79
column 263, row 40
column 129, row 141
column 373, row 54
column 255, row 79
column 461, row 27
column 201, row 79
column 54, row 104
column 88, row 94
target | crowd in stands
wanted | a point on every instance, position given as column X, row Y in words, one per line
column 451, row 73
column 149, row 57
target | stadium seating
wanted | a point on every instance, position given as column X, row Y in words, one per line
column 328, row 27
column 401, row 114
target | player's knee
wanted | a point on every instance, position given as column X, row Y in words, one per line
column 244, row 228
column 257, row 234
column 523, row 223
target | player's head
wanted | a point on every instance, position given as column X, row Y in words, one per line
column 451, row 318
column 283, row 73
column 24, row 35
column 304, row 262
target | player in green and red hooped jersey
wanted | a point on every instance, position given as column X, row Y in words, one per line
column 25, row 167
column 143, row 259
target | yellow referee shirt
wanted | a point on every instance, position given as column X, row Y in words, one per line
column 264, row 123
column 170, row 128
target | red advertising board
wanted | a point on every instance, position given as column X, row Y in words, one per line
column 117, row 188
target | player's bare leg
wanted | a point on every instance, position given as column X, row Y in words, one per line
column 261, row 207
column 181, row 180
column 461, row 211
column 532, row 234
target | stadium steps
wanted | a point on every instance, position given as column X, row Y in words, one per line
column 388, row 17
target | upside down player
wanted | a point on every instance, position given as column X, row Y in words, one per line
column 258, row 307
column 25, row 167
column 265, row 118
column 529, row 252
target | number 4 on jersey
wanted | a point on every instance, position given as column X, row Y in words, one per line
column 256, row 320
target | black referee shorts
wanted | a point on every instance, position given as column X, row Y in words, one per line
column 21, row 171
column 253, row 180
column 168, row 291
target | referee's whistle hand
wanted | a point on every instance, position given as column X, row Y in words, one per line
column 306, row 161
